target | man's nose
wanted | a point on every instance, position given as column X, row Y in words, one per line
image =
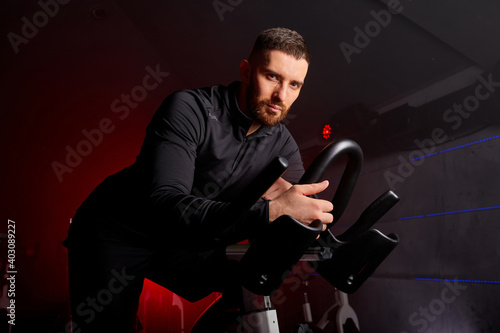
column 280, row 92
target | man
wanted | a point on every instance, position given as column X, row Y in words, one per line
column 169, row 215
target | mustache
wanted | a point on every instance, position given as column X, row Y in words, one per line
column 266, row 102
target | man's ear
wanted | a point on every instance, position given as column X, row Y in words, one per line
column 245, row 71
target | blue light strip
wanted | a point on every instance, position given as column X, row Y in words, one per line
column 459, row 280
column 450, row 213
column 424, row 156
column 457, row 147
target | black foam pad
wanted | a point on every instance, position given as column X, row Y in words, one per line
column 354, row 261
column 274, row 252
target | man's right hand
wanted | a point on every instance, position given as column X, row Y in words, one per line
column 296, row 203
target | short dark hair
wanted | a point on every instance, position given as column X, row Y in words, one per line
column 280, row 39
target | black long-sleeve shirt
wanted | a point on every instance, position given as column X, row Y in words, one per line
column 195, row 160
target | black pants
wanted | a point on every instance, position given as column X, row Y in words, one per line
column 106, row 280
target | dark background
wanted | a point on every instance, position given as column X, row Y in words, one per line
column 64, row 64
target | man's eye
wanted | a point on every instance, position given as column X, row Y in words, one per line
column 272, row 76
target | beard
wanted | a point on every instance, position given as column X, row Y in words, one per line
column 259, row 111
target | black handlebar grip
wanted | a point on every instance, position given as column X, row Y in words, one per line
column 349, row 178
column 370, row 216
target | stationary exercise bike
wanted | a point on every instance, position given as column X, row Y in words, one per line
column 345, row 261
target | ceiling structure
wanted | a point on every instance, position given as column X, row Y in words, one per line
column 380, row 55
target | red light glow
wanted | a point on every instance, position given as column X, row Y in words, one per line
column 327, row 131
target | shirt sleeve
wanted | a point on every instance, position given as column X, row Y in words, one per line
column 291, row 152
column 169, row 156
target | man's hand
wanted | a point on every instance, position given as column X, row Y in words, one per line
column 294, row 202
column 278, row 188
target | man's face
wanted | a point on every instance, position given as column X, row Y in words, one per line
column 274, row 86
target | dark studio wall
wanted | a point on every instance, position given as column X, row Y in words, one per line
column 415, row 82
